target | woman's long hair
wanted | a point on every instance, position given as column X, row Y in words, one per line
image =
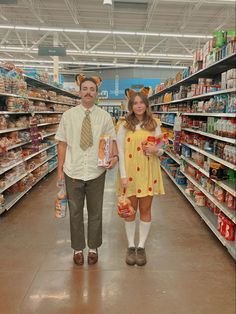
column 148, row 122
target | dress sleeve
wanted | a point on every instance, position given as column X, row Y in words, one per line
column 121, row 149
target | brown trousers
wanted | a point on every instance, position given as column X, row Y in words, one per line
column 77, row 191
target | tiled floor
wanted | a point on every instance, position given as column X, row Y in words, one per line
column 188, row 270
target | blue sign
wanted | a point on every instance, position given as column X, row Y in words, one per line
column 115, row 89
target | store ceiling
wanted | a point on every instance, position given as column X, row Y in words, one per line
column 134, row 32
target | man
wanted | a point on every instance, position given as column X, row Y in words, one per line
column 78, row 135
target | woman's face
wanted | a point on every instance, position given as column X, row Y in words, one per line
column 139, row 107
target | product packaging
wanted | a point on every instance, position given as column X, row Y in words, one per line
column 105, row 150
column 61, row 202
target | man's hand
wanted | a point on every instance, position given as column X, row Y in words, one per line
column 60, row 175
column 112, row 162
column 150, row 149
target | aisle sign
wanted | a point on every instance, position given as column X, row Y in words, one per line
column 51, row 51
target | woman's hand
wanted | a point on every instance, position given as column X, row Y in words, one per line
column 150, row 149
column 124, row 182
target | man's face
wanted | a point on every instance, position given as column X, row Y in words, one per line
column 88, row 92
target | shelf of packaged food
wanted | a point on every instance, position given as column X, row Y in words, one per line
column 191, row 162
column 37, row 83
column 18, row 145
column 227, row 185
column 206, row 95
column 25, row 159
column 36, row 99
column 25, row 128
column 12, row 199
column 26, row 173
column 28, row 112
column 212, row 70
column 171, row 139
column 229, row 213
column 213, row 157
column 12, row 130
column 210, row 114
column 163, row 122
column 217, row 137
column 48, row 134
column 204, row 114
column 161, row 112
column 209, row 218
column 175, row 158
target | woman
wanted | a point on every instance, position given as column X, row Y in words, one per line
column 139, row 171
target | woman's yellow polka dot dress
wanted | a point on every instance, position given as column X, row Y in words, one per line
column 143, row 172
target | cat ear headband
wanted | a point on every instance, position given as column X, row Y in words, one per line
column 144, row 90
column 80, row 77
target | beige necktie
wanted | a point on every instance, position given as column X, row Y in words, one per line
column 86, row 137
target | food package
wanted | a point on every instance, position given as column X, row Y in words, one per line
column 104, row 150
column 61, row 202
column 124, row 208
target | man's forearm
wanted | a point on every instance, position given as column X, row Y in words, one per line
column 61, row 155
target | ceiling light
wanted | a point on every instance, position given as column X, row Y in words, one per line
column 109, row 2
column 75, row 30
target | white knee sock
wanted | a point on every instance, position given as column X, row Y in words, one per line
column 130, row 232
column 144, row 228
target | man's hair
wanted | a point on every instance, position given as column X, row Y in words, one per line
column 90, row 79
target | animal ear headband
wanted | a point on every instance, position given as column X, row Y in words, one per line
column 129, row 92
column 80, row 77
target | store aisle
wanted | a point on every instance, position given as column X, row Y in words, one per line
column 188, row 270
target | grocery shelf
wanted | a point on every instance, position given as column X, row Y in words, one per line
column 14, row 198
column 213, row 157
column 210, row 114
column 18, row 145
column 209, row 218
column 229, row 213
column 37, row 83
column 175, row 158
column 229, row 186
column 25, row 128
column 28, row 112
column 217, row 137
column 49, row 134
column 37, row 99
column 206, row 95
column 210, row 71
column 163, row 122
column 26, row 173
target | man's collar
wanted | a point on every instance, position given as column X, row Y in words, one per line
column 90, row 109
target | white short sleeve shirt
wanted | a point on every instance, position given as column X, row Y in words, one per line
column 81, row 164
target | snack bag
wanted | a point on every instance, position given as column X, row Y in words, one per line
column 124, row 208
column 105, row 150
column 61, row 202
column 160, row 141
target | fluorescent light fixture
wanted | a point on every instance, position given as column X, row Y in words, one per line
column 49, row 64
column 74, row 30
column 51, row 29
column 107, row 2
column 27, row 28
column 94, row 31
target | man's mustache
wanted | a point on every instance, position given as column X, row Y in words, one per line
column 88, row 95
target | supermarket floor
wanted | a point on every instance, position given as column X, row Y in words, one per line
column 188, row 270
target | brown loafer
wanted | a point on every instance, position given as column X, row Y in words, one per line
column 92, row 258
column 78, row 258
